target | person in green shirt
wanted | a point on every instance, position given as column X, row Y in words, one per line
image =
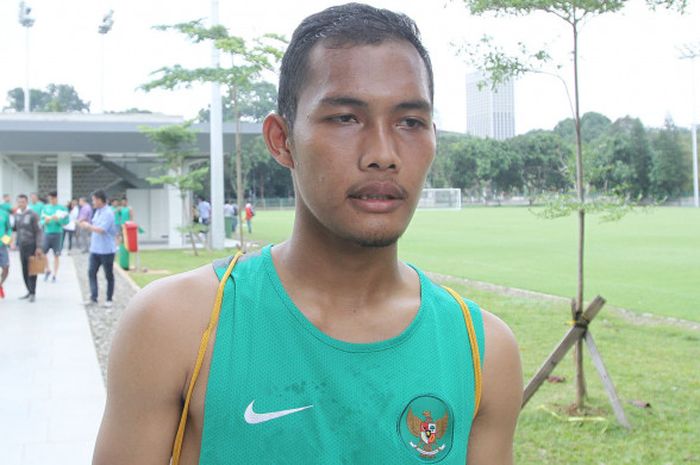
column 116, row 207
column 53, row 217
column 328, row 349
column 35, row 203
column 5, row 239
column 6, row 203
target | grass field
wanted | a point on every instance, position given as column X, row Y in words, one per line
column 649, row 257
column 647, row 262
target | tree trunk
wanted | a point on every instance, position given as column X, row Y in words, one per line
column 578, row 352
column 239, row 174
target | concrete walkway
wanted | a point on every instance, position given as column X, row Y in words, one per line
column 51, row 390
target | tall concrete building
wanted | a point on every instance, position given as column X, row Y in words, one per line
column 490, row 113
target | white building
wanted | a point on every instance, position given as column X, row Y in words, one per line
column 490, row 113
column 75, row 154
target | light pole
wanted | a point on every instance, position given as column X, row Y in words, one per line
column 216, row 160
column 26, row 21
column 103, row 29
column 691, row 52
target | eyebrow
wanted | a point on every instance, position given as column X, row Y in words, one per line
column 420, row 104
column 344, row 101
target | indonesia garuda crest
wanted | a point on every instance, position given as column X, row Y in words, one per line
column 428, row 433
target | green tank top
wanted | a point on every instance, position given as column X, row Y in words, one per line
column 280, row 391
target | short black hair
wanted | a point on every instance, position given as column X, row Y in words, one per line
column 23, row 196
column 53, row 194
column 338, row 26
column 100, row 194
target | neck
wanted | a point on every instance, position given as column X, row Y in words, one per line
column 316, row 258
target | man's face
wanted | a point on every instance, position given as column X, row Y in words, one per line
column 363, row 140
column 6, row 199
column 53, row 200
column 21, row 203
column 34, row 198
column 97, row 202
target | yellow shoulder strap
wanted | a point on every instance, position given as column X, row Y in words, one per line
column 476, row 357
column 204, row 343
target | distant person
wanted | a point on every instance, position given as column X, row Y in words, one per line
column 53, row 218
column 204, row 210
column 83, row 234
column 28, row 238
column 249, row 214
column 126, row 212
column 234, row 220
column 5, row 240
column 35, row 203
column 6, row 203
column 230, row 211
column 70, row 227
column 115, row 206
column 102, row 246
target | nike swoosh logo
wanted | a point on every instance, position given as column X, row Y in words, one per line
column 252, row 418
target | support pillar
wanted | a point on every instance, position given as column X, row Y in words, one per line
column 2, row 176
column 175, row 217
column 64, row 178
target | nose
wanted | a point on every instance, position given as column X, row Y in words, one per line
column 380, row 151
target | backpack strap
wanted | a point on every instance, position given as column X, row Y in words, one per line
column 204, row 343
column 476, row 357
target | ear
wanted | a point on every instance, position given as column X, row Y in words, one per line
column 277, row 136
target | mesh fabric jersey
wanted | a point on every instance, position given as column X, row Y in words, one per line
column 280, row 391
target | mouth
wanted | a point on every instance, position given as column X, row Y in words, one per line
column 377, row 196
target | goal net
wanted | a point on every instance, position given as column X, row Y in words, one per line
column 449, row 198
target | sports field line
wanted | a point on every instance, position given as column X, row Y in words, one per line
column 629, row 315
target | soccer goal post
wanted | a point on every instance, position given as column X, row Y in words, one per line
column 447, row 198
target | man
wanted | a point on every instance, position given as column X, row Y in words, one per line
column 102, row 246
column 115, row 206
column 204, row 210
column 5, row 240
column 35, row 203
column 53, row 218
column 328, row 349
column 126, row 212
column 249, row 214
column 6, row 203
column 84, row 215
column 28, row 239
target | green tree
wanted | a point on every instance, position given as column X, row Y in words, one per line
column 502, row 67
column 264, row 175
column 248, row 61
column 56, row 98
column 621, row 160
column 670, row 173
column 259, row 102
column 545, row 159
column 593, row 125
column 175, row 145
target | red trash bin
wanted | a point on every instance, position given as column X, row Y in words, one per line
column 131, row 231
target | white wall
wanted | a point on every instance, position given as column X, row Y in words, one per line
column 14, row 181
column 150, row 207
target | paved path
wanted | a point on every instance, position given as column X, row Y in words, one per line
column 51, row 391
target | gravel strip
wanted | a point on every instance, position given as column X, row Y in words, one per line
column 103, row 320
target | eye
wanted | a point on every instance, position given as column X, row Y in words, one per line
column 343, row 119
column 412, row 123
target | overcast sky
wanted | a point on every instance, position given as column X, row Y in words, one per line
column 629, row 60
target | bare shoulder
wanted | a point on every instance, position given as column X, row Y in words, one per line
column 500, row 340
column 491, row 438
column 149, row 363
column 173, row 304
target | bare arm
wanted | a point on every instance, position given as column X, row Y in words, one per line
column 151, row 356
column 491, row 438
